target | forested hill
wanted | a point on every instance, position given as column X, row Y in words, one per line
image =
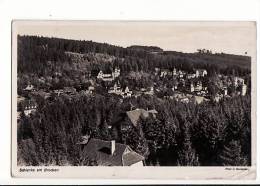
column 35, row 53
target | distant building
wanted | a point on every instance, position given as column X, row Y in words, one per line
column 69, row 90
column 29, row 87
column 135, row 115
column 191, row 76
column 181, row 74
column 116, row 89
column 218, row 97
column 110, row 153
column 174, row 72
column 238, row 81
column 105, row 77
column 126, row 93
column 198, row 86
column 244, row 90
column 150, row 91
column 116, row 73
column 157, row 70
column 109, row 76
column 192, row 87
column 58, row 92
column 201, row 73
column 164, row 72
column 185, row 100
column 29, row 107
column 90, row 90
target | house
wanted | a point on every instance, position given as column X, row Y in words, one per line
column 218, row 97
column 69, row 90
column 198, row 86
column 104, row 77
column 225, row 92
column 191, row 76
column 243, row 91
column 116, row 89
column 116, row 73
column 90, row 90
column 201, row 73
column 110, row 153
column 181, row 74
column 150, row 91
column 174, row 72
column 192, row 87
column 238, row 81
column 29, row 107
column 126, row 93
column 135, row 115
column 157, row 70
column 185, row 100
column 109, row 76
column 164, row 72
column 58, row 92
column 29, row 87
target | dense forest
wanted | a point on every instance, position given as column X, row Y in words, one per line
column 207, row 134
column 182, row 134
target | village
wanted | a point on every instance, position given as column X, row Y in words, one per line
column 186, row 87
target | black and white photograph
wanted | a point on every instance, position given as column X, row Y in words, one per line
column 133, row 94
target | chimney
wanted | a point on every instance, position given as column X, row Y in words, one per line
column 113, row 146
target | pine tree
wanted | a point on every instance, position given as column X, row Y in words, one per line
column 232, row 156
column 187, row 155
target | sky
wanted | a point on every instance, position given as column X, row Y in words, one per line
column 228, row 37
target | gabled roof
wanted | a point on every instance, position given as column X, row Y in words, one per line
column 94, row 72
column 99, row 150
column 134, row 115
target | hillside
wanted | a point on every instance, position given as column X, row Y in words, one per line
column 34, row 53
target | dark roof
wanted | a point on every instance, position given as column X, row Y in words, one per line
column 99, row 150
column 107, row 71
column 94, row 72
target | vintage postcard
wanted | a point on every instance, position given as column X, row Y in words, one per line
column 134, row 99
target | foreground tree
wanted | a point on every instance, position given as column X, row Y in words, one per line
column 232, row 155
column 187, row 155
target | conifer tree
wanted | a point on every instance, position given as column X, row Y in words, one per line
column 232, row 155
column 187, row 155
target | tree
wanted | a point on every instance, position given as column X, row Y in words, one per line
column 136, row 141
column 231, row 155
column 187, row 155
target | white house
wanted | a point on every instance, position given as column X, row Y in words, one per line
column 109, row 76
column 126, row 93
column 29, row 87
column 201, row 73
column 244, row 89
column 30, row 107
column 238, row 81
